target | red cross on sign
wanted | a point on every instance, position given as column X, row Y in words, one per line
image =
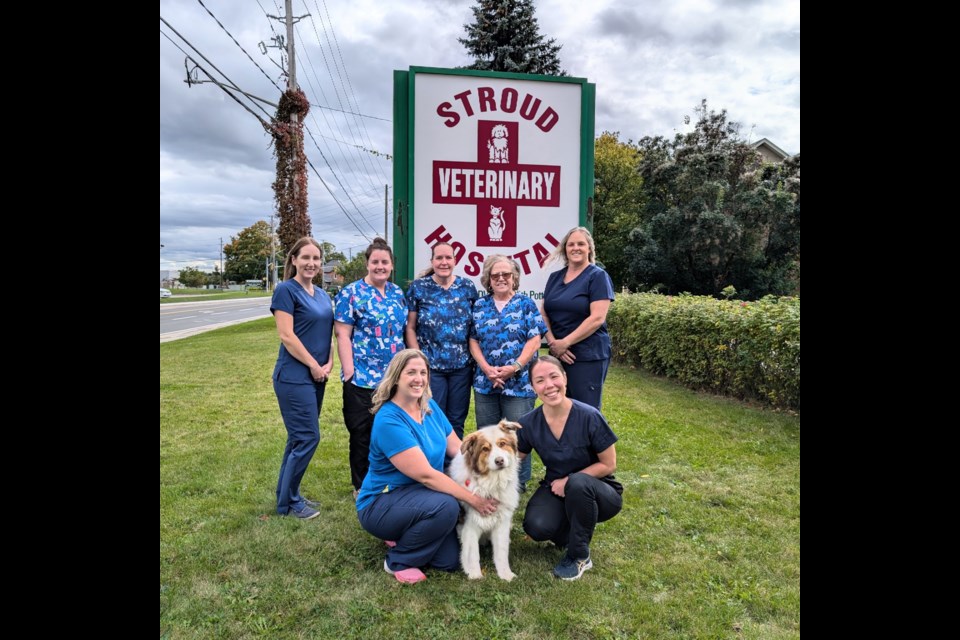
column 496, row 183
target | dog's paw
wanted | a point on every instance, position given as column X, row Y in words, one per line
column 474, row 575
column 506, row 575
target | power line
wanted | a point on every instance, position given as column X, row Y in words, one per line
column 269, row 79
column 263, row 122
column 330, row 191
column 358, row 169
column 331, row 42
column 360, row 123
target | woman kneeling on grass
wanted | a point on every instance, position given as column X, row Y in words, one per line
column 576, row 446
column 405, row 496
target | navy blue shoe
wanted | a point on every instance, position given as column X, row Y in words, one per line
column 570, row 569
column 313, row 504
column 303, row 512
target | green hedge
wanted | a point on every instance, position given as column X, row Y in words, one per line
column 743, row 349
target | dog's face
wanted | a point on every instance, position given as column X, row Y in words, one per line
column 491, row 449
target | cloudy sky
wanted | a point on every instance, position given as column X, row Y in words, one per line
column 652, row 61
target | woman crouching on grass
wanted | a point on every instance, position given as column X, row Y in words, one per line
column 405, row 496
column 577, row 447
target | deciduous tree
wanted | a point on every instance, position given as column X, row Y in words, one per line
column 248, row 252
column 715, row 215
column 354, row 269
column 192, row 277
column 617, row 202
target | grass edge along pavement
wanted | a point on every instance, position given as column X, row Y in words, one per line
column 707, row 546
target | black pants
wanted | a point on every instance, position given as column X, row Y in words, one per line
column 570, row 521
column 356, row 415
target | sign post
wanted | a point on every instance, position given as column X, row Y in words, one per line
column 492, row 163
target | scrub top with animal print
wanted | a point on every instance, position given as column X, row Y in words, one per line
column 378, row 323
column 501, row 336
column 443, row 320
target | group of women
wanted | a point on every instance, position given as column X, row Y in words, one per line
column 407, row 366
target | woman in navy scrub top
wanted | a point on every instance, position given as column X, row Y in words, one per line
column 575, row 304
column 304, row 316
column 577, row 447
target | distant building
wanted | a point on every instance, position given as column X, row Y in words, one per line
column 168, row 277
column 769, row 152
column 330, row 276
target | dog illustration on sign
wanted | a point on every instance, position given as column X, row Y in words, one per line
column 497, row 224
column 498, row 145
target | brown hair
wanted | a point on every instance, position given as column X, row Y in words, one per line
column 433, row 251
column 379, row 244
column 290, row 271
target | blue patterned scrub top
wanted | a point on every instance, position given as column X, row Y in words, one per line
column 501, row 336
column 443, row 320
column 378, row 324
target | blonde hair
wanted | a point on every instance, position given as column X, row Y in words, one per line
column 388, row 385
column 488, row 267
column 560, row 252
column 289, row 270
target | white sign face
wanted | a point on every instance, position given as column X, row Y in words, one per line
column 496, row 171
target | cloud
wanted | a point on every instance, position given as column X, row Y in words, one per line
column 652, row 63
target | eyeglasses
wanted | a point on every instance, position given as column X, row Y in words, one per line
column 506, row 275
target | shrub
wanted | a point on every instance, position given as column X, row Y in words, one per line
column 743, row 349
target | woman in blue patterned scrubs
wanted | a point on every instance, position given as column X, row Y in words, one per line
column 438, row 323
column 370, row 318
column 504, row 340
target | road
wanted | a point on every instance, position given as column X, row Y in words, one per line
column 189, row 318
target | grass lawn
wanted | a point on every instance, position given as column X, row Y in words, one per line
column 707, row 545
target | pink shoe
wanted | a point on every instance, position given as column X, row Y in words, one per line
column 390, row 543
column 406, row 576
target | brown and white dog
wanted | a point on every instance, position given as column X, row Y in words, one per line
column 488, row 466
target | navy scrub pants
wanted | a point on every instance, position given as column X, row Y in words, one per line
column 585, row 381
column 300, row 407
column 423, row 522
column 570, row 521
column 451, row 391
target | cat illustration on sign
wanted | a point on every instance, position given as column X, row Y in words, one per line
column 497, row 224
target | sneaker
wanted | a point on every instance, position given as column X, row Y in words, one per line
column 570, row 569
column 406, row 576
column 303, row 512
column 313, row 504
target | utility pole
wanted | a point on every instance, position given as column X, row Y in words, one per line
column 292, row 82
column 272, row 276
column 291, row 58
column 221, row 262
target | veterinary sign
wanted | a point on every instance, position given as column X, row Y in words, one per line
column 492, row 163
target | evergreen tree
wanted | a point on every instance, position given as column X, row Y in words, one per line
column 505, row 36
